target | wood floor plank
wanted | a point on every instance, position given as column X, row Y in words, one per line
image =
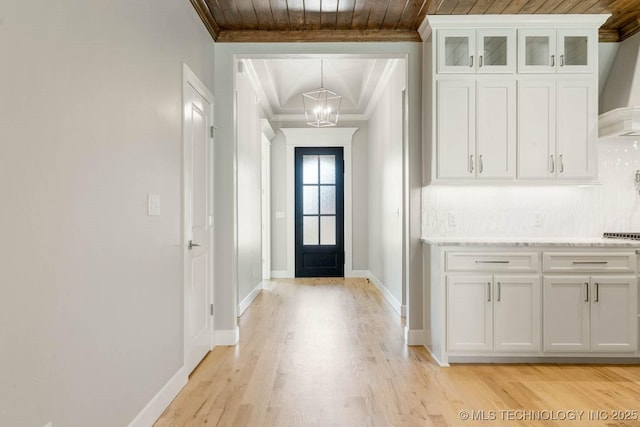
column 330, row 352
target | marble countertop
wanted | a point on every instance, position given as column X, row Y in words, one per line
column 532, row 241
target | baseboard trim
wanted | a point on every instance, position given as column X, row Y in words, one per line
column 393, row 302
column 227, row 337
column 438, row 361
column 246, row 302
column 358, row 273
column 280, row 274
column 156, row 406
column 414, row 336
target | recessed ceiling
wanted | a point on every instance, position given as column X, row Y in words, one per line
column 383, row 20
column 281, row 82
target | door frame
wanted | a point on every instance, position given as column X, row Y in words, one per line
column 189, row 78
column 266, row 135
column 324, row 137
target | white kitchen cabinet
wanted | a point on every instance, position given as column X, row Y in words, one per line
column 577, row 128
column 565, row 50
column 614, row 314
column 590, row 313
column 566, row 313
column 487, row 313
column 476, row 129
column 517, row 313
column 557, row 128
column 536, row 128
column 469, row 313
column 456, row 128
column 470, row 51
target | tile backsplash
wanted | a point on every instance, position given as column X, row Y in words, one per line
column 541, row 210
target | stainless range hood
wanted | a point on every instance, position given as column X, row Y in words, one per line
column 620, row 95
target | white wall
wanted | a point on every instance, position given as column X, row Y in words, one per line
column 566, row 211
column 249, row 182
column 385, row 185
column 91, row 317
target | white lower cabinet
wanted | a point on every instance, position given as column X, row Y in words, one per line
column 590, row 314
column 517, row 313
column 493, row 313
column 508, row 302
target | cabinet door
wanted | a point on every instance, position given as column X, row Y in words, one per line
column 536, row 128
column 456, row 49
column 496, row 128
column 496, row 50
column 469, row 313
column 577, row 128
column 566, row 313
column 614, row 314
column 517, row 313
column 537, row 51
column 577, row 50
column 456, row 128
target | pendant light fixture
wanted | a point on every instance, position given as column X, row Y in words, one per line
column 321, row 106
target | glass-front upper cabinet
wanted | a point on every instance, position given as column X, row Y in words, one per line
column 476, row 51
column 561, row 51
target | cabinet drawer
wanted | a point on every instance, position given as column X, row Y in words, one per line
column 620, row 262
column 497, row 262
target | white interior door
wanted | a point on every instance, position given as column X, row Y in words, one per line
column 198, row 265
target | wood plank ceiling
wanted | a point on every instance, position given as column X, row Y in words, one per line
column 383, row 20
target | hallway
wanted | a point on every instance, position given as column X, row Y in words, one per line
column 330, row 352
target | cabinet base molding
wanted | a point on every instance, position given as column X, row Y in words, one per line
column 627, row 360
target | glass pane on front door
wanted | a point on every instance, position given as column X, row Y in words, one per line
column 319, row 199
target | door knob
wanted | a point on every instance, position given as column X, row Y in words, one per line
column 192, row 245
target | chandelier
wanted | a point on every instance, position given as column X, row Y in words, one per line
column 321, row 106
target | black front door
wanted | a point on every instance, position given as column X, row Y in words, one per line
column 319, row 212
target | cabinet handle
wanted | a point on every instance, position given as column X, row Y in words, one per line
column 561, row 163
column 471, row 61
column 471, row 163
column 586, row 286
column 590, row 262
column 553, row 164
column 562, row 60
column 489, row 291
column 481, row 166
column 479, row 261
column 597, row 292
column 553, row 60
column 499, row 292
column 480, row 61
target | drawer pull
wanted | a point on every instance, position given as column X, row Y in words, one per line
column 597, row 293
column 499, row 292
column 491, row 262
column 489, row 291
column 590, row 262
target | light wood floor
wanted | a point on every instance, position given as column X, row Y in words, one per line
column 330, row 352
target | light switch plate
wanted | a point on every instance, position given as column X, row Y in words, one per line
column 153, row 204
